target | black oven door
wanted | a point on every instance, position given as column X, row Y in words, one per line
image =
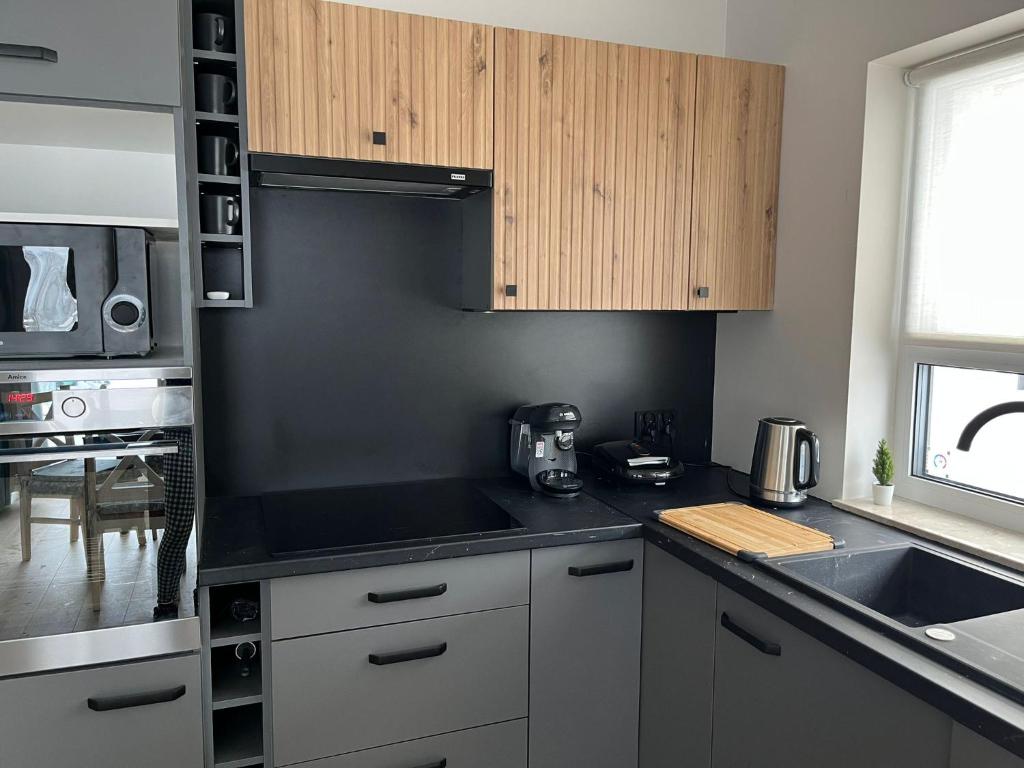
column 53, row 281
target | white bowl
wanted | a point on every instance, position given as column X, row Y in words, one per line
column 218, row 295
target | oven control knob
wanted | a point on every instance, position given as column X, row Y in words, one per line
column 73, row 407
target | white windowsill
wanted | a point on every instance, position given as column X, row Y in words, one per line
column 988, row 541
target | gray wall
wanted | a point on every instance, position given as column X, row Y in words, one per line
column 795, row 361
column 356, row 365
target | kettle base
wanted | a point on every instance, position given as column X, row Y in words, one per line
column 776, row 499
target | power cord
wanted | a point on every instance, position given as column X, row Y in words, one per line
column 728, row 475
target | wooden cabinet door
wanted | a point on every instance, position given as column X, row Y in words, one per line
column 800, row 703
column 736, row 184
column 323, row 78
column 592, row 174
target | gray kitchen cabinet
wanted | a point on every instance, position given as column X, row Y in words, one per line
column 783, row 698
column 369, row 597
column 585, row 621
column 969, row 750
column 144, row 713
column 502, row 745
column 347, row 691
column 678, row 663
column 106, row 50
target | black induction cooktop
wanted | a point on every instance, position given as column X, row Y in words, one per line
column 322, row 521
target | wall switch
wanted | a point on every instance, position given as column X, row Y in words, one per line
column 657, row 429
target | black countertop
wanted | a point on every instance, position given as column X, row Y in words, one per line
column 234, row 546
column 234, row 549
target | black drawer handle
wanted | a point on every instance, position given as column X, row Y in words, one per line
column 12, row 51
column 407, row 594
column 436, row 764
column 107, row 703
column 596, row 570
column 764, row 646
column 382, row 659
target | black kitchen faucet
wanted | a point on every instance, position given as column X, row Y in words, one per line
column 983, row 418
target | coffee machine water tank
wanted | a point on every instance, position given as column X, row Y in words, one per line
column 543, row 447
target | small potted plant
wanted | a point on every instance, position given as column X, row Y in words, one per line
column 883, row 471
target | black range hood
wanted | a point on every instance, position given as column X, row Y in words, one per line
column 322, row 173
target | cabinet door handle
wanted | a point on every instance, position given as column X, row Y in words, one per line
column 383, row 659
column 107, row 703
column 596, row 570
column 13, row 51
column 436, row 764
column 764, row 646
column 407, row 594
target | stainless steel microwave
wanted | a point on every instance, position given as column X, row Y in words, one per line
column 74, row 291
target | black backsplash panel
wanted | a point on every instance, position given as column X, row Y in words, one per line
column 356, row 365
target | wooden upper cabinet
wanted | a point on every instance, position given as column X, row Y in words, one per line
column 736, row 183
column 323, row 78
column 592, row 174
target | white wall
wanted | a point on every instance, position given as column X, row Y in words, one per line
column 697, row 26
column 795, row 361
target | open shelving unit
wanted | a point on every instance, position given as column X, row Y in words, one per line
column 221, row 262
column 235, row 690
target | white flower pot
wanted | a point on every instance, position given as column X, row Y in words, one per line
column 883, row 494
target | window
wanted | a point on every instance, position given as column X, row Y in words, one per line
column 962, row 342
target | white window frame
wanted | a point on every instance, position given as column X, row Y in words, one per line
column 980, row 506
column 957, row 353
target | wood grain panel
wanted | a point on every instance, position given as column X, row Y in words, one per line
column 737, row 151
column 323, row 76
column 593, row 173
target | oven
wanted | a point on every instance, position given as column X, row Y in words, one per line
column 97, row 511
column 69, row 291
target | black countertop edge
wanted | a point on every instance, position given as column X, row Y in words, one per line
column 970, row 703
column 234, row 548
column 275, row 568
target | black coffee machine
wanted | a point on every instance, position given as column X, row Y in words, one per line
column 542, row 447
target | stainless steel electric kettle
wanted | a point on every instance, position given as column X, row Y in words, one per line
column 786, row 462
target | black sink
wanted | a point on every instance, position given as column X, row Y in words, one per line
column 910, row 584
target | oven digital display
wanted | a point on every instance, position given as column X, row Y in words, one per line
column 25, row 406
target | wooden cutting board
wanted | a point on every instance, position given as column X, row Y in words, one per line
column 746, row 532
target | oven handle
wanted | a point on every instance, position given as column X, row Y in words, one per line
column 97, row 451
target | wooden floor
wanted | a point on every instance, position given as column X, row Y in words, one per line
column 50, row 593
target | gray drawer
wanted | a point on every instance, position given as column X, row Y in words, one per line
column 45, row 720
column 491, row 746
column 329, row 602
column 330, row 699
column 108, row 50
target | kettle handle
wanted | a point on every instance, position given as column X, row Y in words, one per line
column 814, row 452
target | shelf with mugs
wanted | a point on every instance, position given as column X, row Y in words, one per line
column 215, row 117
column 213, row 75
column 199, row 55
column 216, row 178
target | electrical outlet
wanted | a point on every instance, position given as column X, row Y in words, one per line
column 657, row 428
